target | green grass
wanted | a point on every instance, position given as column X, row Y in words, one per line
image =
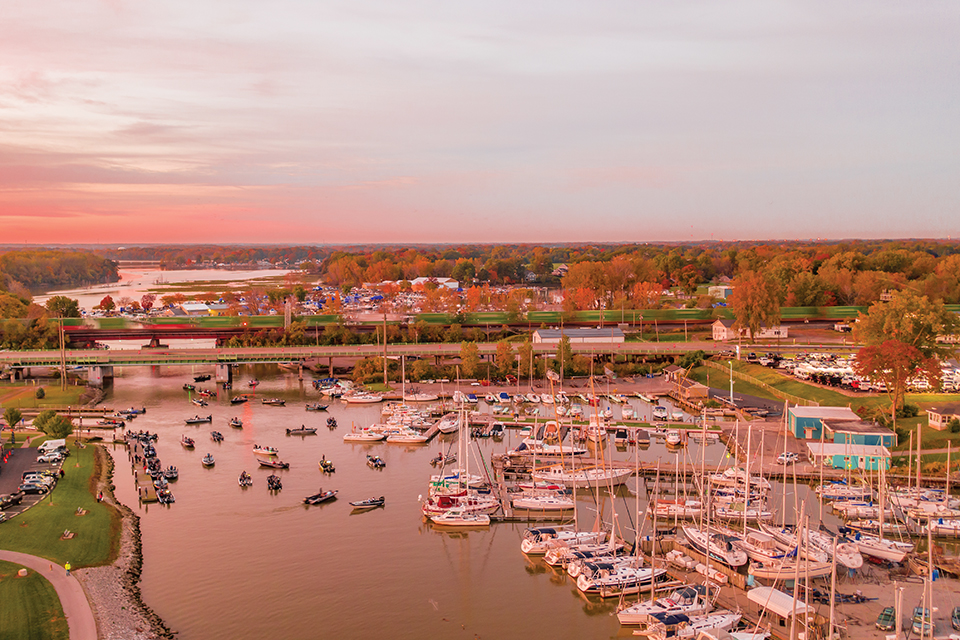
column 23, row 395
column 721, row 380
column 37, row 531
column 31, row 609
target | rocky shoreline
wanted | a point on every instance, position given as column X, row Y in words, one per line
column 114, row 590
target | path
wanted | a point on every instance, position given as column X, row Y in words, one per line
column 76, row 607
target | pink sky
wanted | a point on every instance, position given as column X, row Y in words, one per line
column 315, row 122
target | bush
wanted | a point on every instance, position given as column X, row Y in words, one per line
column 41, row 394
column 954, row 425
column 908, row 411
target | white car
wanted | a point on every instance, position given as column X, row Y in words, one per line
column 52, row 457
column 787, row 458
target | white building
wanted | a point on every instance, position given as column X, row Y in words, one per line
column 579, row 335
column 723, row 330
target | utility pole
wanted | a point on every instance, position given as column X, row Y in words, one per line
column 384, row 348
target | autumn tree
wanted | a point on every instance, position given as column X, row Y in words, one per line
column 506, row 361
column 754, row 302
column 107, row 304
column 147, row 301
column 525, row 352
column 469, row 359
column 63, row 307
column 893, row 363
column 911, row 319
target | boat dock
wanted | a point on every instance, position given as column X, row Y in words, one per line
column 144, row 483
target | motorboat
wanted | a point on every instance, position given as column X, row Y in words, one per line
column 448, row 423
column 208, row 460
column 673, row 438
column 538, row 541
column 718, row 546
column 316, row 407
column 369, row 503
column 407, row 436
column 133, row 411
column 245, row 480
column 236, row 423
column 689, row 600
column 188, row 387
column 270, row 463
column 238, row 399
column 443, row 459
column 326, row 465
column 274, row 402
column 199, row 419
column 201, row 378
column 264, row 450
column 606, row 579
column 362, row 398
column 322, row 496
column 165, row 496
column 364, row 435
column 660, row 412
column 216, row 436
column 664, row 625
column 532, row 398
column 200, row 402
column 331, row 423
column 111, row 422
column 207, row 393
column 375, row 462
column 274, row 483
column 187, row 442
column 460, row 517
column 302, row 431
column 253, row 383
column 171, row 473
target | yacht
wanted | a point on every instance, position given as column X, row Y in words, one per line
column 690, row 600
column 461, row 517
column 606, row 579
column 539, row 540
column 583, row 477
column 717, row 546
column 364, row 435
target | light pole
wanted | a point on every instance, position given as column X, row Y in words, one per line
column 731, row 383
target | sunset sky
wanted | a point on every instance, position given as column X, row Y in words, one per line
column 415, row 121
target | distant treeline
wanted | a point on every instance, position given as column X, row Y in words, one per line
column 49, row 269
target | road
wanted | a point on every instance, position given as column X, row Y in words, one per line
column 76, row 608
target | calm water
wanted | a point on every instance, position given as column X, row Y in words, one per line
column 242, row 563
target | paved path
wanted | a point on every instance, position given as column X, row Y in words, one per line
column 76, row 607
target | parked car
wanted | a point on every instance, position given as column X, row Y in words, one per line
column 29, row 487
column 887, row 619
column 52, row 458
column 10, row 499
column 787, row 458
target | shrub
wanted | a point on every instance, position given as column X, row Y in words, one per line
column 41, row 394
column 954, row 425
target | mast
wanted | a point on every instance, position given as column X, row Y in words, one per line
column 796, row 586
column 833, row 587
column 653, row 543
column 746, row 497
column 910, row 463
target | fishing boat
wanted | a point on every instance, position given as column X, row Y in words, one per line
column 302, row 431
column 537, row 541
column 208, row 460
column 253, row 383
column 717, row 546
column 133, row 411
column 200, row 402
column 331, row 423
column 238, row 399
column 199, row 419
column 265, row 450
column 187, row 442
column 689, row 600
column 111, row 422
column 274, row 402
column 326, row 465
column 216, row 436
column 165, row 496
column 245, row 480
column 207, row 393
column 171, row 473
column 460, row 517
column 316, row 407
column 188, row 387
column 364, row 435
column 237, row 423
column 201, row 378
column 270, row 463
column 375, row 462
column 274, row 483
column 322, row 496
column 369, row 503
column 443, row 459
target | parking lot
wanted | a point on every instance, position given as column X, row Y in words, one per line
column 11, row 472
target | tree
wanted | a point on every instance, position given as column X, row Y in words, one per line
column 53, row 424
column 506, row 362
column 525, row 351
column 63, row 307
column 13, row 416
column 469, row 359
column 565, row 355
column 147, row 301
column 911, row 319
column 894, row 363
column 754, row 302
column 107, row 304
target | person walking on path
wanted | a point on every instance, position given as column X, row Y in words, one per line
column 67, row 567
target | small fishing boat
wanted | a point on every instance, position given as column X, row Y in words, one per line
column 171, row 473
column 375, row 462
column 188, row 387
column 442, row 458
column 245, row 480
column 265, row 450
column 200, row 402
column 111, row 422
column 208, row 460
column 273, row 483
column 273, row 402
column 273, row 464
column 326, row 465
column 201, row 378
column 323, row 496
column 236, row 423
column 187, row 442
column 199, row 420
column 133, row 411
column 331, row 422
column 207, row 393
column 317, row 407
column 302, row 431
column 238, row 399
column 216, row 436
column 253, row 383
column 165, row 496
column 369, row 503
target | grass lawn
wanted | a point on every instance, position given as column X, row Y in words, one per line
column 721, row 380
column 22, row 395
column 31, row 609
column 37, row 531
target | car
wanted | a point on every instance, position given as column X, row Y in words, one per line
column 887, row 620
column 29, row 487
column 788, row 457
column 53, row 457
column 37, row 478
column 10, row 499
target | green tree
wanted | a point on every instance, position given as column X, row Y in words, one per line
column 525, row 352
column 40, row 394
column 910, row 319
column 754, row 302
column 954, row 425
column 469, row 359
column 13, row 416
column 63, row 307
column 506, row 362
column 565, row 360
column 53, row 424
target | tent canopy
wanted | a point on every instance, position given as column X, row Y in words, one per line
column 776, row 601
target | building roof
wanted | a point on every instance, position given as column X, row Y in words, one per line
column 726, row 322
column 776, row 601
column 818, row 449
column 952, row 409
column 672, row 368
column 580, row 332
column 835, row 413
column 687, row 383
column 857, row 426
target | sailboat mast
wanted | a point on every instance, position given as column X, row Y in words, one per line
column 653, row 543
column 833, row 586
column 746, row 497
column 796, row 586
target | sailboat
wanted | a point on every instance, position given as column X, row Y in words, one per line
column 690, row 600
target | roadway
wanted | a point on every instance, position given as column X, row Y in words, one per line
column 168, row 356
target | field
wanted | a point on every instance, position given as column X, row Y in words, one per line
column 31, row 609
column 21, row 395
column 38, row 530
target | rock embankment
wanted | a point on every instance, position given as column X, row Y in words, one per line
column 114, row 590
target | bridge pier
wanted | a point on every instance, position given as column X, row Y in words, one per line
column 98, row 375
column 224, row 373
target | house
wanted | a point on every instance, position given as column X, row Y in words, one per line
column 721, row 292
column 419, row 284
column 858, row 432
column 806, row 423
column 579, row 335
column 939, row 417
column 673, row 373
column 849, row 456
column 195, row 308
column 723, row 330
column 690, row 391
